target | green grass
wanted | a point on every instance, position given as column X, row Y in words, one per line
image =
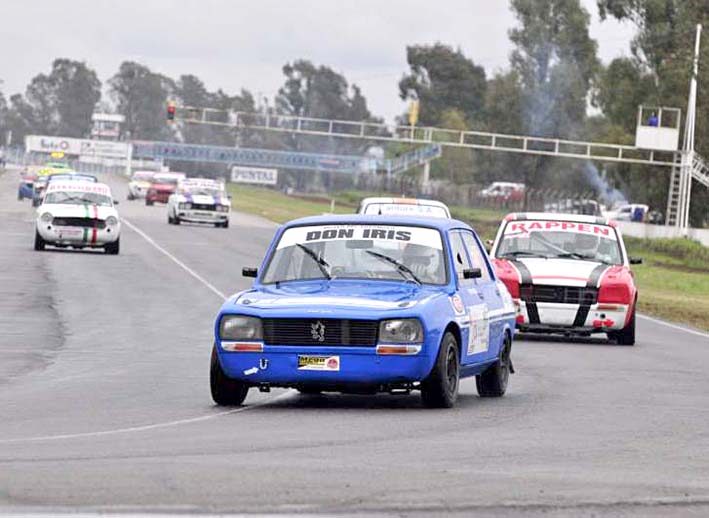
column 673, row 280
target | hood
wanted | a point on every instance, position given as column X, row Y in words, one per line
column 64, row 210
column 141, row 184
column 558, row 272
column 163, row 187
column 328, row 297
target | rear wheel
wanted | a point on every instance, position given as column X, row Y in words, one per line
column 625, row 336
column 225, row 390
column 113, row 248
column 493, row 382
column 39, row 242
column 440, row 388
column 148, row 202
column 130, row 196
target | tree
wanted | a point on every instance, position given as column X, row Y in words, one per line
column 555, row 59
column 141, row 96
column 20, row 119
column 443, row 79
column 63, row 101
column 664, row 46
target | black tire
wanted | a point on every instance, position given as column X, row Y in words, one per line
column 493, row 382
column 19, row 196
column 625, row 336
column 225, row 390
column 39, row 242
column 309, row 391
column 440, row 388
column 113, row 248
column 176, row 220
column 130, row 196
column 225, row 224
column 35, row 202
column 148, row 203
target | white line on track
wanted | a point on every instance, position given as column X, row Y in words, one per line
column 147, row 426
column 174, row 259
column 167, row 423
column 674, row 326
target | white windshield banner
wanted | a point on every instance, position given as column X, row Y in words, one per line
column 524, row 227
column 79, row 187
column 405, row 209
column 388, row 233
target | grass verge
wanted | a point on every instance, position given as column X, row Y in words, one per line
column 673, row 280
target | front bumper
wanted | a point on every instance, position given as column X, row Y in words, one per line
column 78, row 236
column 202, row 216
column 356, row 366
column 160, row 197
column 557, row 317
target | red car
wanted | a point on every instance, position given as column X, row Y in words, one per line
column 162, row 186
column 567, row 274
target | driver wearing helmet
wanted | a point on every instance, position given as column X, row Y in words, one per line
column 586, row 245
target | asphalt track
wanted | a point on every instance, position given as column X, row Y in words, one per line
column 105, row 407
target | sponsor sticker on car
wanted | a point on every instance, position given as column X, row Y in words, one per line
column 319, row 363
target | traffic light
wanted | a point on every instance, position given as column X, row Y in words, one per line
column 171, row 111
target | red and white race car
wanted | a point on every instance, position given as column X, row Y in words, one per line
column 567, row 273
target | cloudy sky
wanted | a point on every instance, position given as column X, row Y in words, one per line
column 232, row 44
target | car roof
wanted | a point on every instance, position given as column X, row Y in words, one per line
column 404, row 201
column 558, row 216
column 416, row 221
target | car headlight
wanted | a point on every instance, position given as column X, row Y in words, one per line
column 239, row 327
column 223, row 208
column 184, row 206
column 111, row 221
column 401, row 331
column 46, row 217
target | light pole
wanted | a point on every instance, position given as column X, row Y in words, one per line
column 685, row 190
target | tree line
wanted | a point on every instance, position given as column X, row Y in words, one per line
column 555, row 86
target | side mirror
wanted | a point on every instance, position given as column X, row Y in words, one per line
column 488, row 245
column 636, row 260
column 249, row 272
column 472, row 273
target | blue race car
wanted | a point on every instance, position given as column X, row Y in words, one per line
column 367, row 304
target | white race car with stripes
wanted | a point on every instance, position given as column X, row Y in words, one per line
column 567, row 273
column 78, row 214
column 199, row 200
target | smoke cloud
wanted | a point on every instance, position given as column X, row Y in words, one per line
column 606, row 193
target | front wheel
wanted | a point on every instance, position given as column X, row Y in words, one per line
column 225, row 390
column 113, row 248
column 493, row 382
column 39, row 242
column 625, row 336
column 440, row 388
column 148, row 202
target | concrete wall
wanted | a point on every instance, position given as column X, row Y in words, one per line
column 645, row 230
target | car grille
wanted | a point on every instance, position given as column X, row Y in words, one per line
column 335, row 332
column 204, row 206
column 560, row 294
column 79, row 222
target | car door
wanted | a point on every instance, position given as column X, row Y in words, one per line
column 470, row 306
column 488, row 291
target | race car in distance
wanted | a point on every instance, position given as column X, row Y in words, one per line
column 139, row 184
column 403, row 207
column 79, row 215
column 43, row 174
column 26, row 187
column 367, row 304
column 162, row 186
column 199, row 200
column 567, row 274
column 503, row 191
column 71, row 176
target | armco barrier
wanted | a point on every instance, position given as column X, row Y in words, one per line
column 645, row 230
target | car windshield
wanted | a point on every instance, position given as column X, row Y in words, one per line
column 78, row 198
column 142, row 177
column 560, row 239
column 406, row 209
column 373, row 252
column 171, row 180
column 203, row 191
